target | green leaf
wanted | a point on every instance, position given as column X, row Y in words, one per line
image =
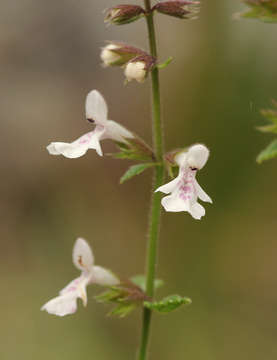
column 134, row 149
column 122, row 310
column 271, row 116
column 165, row 63
column 111, row 295
column 168, row 304
column 268, row 153
column 135, row 170
column 140, row 281
column 264, row 10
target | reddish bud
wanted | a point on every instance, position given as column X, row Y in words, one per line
column 180, row 9
column 124, row 14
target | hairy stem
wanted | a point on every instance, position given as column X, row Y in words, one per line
column 155, row 212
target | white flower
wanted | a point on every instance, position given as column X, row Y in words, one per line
column 83, row 259
column 108, row 56
column 97, row 113
column 136, row 71
column 184, row 190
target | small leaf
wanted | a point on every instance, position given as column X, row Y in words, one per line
column 168, row 304
column 268, row 153
column 165, row 63
column 122, row 310
column 268, row 128
column 140, row 281
column 271, row 116
column 134, row 149
column 112, row 295
column 135, row 170
column 264, row 10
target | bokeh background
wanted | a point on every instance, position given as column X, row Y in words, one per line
column 224, row 71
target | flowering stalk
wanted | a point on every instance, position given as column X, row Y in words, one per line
column 157, row 182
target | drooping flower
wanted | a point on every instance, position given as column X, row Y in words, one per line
column 109, row 56
column 184, row 190
column 139, row 67
column 83, row 259
column 96, row 113
column 118, row 53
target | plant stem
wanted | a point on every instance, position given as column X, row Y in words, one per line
column 155, row 212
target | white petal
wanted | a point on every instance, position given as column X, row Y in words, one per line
column 80, row 146
column 181, row 158
column 96, row 107
column 117, row 132
column 62, row 305
column 78, row 286
column 71, row 150
column 67, row 149
column 173, row 203
column 169, row 187
column 197, row 156
column 197, row 211
column 82, row 255
column 201, row 193
column 104, row 277
column 135, row 71
column 98, row 134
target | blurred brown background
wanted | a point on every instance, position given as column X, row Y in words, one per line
column 223, row 72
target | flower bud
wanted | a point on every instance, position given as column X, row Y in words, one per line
column 124, row 14
column 135, row 71
column 118, row 54
column 180, row 8
column 139, row 67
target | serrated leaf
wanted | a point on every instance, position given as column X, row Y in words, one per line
column 140, row 281
column 268, row 153
column 168, row 304
column 135, row 170
column 122, row 310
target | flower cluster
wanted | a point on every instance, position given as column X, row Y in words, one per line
column 184, row 189
column 182, row 192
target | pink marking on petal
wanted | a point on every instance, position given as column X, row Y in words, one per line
column 185, row 188
column 72, row 288
column 182, row 196
column 85, row 139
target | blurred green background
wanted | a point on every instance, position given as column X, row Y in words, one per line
column 223, row 72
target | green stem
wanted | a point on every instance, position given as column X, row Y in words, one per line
column 155, row 213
